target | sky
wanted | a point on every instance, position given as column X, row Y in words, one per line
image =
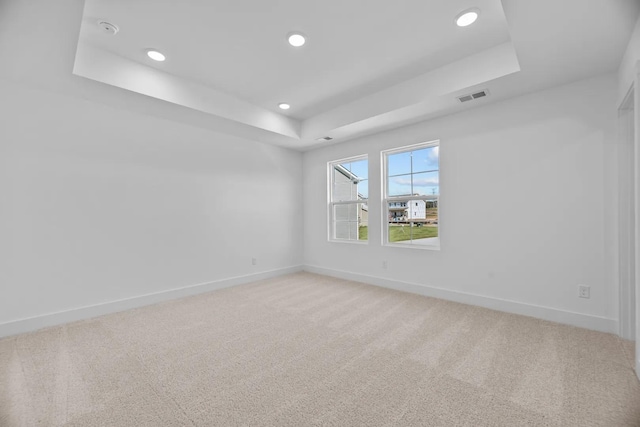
column 409, row 172
column 414, row 172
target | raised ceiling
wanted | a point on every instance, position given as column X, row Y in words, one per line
column 368, row 65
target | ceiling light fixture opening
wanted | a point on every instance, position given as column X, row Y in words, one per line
column 284, row 106
column 155, row 55
column 467, row 17
column 296, row 39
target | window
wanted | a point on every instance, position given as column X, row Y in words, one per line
column 348, row 195
column 411, row 195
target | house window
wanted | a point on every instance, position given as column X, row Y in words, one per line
column 348, row 196
column 412, row 178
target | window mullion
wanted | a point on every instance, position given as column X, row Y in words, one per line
column 349, row 202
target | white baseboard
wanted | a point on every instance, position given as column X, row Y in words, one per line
column 596, row 323
column 81, row 313
column 555, row 315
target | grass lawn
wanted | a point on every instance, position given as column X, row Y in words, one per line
column 398, row 233
column 363, row 232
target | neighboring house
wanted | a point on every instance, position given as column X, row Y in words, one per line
column 398, row 211
column 346, row 184
column 348, row 219
column 417, row 209
column 363, row 212
column 411, row 209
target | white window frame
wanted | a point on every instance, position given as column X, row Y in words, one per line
column 331, row 203
column 434, row 243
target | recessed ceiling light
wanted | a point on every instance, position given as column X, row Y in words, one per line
column 296, row 39
column 467, row 17
column 284, row 106
column 155, row 55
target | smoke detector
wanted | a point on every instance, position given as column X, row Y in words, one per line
column 108, row 28
column 472, row 96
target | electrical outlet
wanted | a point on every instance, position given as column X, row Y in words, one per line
column 384, row 265
column 254, row 261
column 584, row 291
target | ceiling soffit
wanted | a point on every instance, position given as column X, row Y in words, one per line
column 382, row 106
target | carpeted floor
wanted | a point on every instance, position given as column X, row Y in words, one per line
column 306, row 350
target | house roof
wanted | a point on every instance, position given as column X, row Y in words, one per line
column 344, row 171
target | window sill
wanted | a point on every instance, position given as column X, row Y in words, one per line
column 351, row 242
column 433, row 244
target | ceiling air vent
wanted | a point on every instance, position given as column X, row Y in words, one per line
column 473, row 96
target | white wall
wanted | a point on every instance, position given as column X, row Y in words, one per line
column 100, row 204
column 523, row 208
column 111, row 198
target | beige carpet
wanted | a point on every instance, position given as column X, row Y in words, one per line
column 307, row 350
